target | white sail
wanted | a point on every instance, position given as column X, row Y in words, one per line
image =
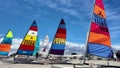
column 44, row 48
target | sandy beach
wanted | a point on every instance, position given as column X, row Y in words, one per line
column 93, row 63
column 11, row 65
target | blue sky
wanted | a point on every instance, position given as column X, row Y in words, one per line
column 18, row 15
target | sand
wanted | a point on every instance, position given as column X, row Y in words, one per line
column 11, row 65
column 94, row 63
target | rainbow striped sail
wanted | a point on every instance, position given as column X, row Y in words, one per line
column 99, row 38
column 5, row 45
column 28, row 44
column 59, row 42
column 37, row 45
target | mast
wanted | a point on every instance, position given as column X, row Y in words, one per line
column 98, row 42
column 88, row 33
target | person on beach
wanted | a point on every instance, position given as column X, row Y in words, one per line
column 118, row 55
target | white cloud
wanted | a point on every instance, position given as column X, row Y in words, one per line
column 71, row 47
column 112, row 14
column 69, row 11
column 115, row 28
column 116, row 46
column 69, row 7
column 113, row 17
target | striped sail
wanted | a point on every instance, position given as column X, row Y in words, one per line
column 5, row 45
column 37, row 45
column 28, row 44
column 59, row 42
column 99, row 38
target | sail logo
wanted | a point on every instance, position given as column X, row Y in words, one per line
column 24, row 51
column 59, row 41
column 28, row 42
column 104, row 29
column 99, row 20
column 100, row 12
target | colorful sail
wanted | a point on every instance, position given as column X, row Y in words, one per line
column 45, row 46
column 45, row 43
column 5, row 45
column 59, row 42
column 28, row 44
column 99, row 38
column 37, row 46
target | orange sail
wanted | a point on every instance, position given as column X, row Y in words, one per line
column 5, row 45
column 99, row 38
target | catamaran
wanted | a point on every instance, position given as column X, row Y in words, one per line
column 27, row 47
column 98, row 41
column 5, row 45
column 44, row 49
column 58, row 44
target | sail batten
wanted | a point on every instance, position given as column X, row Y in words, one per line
column 99, row 43
column 59, row 42
column 28, row 44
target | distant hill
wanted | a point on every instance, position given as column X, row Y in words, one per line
column 70, row 47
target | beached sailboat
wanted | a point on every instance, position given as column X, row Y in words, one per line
column 59, row 41
column 98, row 41
column 44, row 49
column 5, row 45
column 29, row 42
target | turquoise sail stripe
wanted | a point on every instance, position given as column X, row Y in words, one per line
column 37, row 45
column 4, row 53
